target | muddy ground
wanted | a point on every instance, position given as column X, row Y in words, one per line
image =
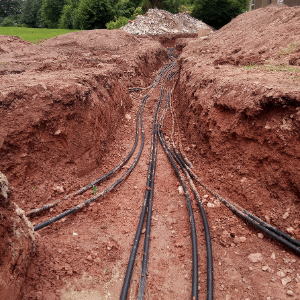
column 64, row 111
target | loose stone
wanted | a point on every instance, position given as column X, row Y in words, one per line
column 255, row 257
column 286, row 280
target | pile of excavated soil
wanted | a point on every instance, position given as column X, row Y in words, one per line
column 241, row 88
column 61, row 104
column 64, row 99
column 158, row 21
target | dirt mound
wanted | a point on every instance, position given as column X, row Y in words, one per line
column 68, row 99
column 61, row 106
column 17, row 244
column 268, row 33
column 158, row 21
column 241, row 88
column 248, row 117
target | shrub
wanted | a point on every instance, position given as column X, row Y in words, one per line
column 122, row 21
column 216, row 13
column 67, row 18
column 50, row 12
column 92, row 14
column 169, row 5
column 31, row 13
column 8, row 22
column 124, row 8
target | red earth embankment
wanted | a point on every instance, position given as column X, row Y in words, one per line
column 62, row 101
column 243, row 100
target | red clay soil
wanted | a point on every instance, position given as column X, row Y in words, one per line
column 63, row 124
column 17, row 245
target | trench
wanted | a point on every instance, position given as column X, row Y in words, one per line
column 77, row 129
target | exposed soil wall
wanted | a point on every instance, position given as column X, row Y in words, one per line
column 17, row 245
column 61, row 102
column 245, row 121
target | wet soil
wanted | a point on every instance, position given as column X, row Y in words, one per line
column 62, row 110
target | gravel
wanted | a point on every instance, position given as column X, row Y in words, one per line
column 255, row 257
column 158, row 21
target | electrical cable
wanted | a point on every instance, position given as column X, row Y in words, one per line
column 148, row 196
column 82, row 190
column 192, row 220
column 277, row 234
column 87, row 202
column 182, row 164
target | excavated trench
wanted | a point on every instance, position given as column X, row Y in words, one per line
column 67, row 114
column 250, row 152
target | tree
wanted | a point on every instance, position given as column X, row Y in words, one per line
column 51, row 12
column 244, row 4
column 31, row 13
column 68, row 15
column 92, row 14
column 216, row 13
column 9, row 8
column 124, row 8
column 169, row 5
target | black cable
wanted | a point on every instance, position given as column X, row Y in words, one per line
column 182, row 164
column 192, row 221
column 80, row 206
column 150, row 182
column 277, row 234
column 82, row 190
column 126, row 282
column 190, row 210
column 142, row 285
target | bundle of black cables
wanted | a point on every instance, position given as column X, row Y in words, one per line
column 175, row 159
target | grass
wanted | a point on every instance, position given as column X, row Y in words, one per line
column 251, row 66
column 280, row 68
column 290, row 49
column 35, row 35
column 293, row 71
column 94, row 190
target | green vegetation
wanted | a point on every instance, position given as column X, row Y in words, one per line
column 122, row 21
column 31, row 13
column 94, row 190
column 218, row 13
column 9, row 8
column 272, row 68
column 97, row 14
column 33, row 34
column 289, row 50
column 93, row 14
